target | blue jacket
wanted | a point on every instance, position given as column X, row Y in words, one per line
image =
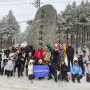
column 75, row 69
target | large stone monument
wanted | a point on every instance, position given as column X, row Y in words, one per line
column 43, row 29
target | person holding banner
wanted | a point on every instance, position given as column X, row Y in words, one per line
column 41, row 70
column 40, row 62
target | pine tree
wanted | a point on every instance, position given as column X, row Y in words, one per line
column 76, row 19
column 13, row 24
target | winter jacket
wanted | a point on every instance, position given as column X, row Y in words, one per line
column 87, row 50
column 61, row 54
column 85, row 58
column 70, row 51
column 76, row 69
column 9, row 65
column 47, row 55
column 64, row 69
column 80, row 62
column 55, row 56
column 53, row 67
column 3, row 56
column 87, row 68
column 30, row 69
column 27, row 60
column 39, row 54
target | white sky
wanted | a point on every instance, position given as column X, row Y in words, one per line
column 24, row 11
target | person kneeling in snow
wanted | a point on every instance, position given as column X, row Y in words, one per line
column 30, row 70
column 64, row 71
column 76, row 71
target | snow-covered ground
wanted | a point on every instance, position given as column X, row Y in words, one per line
column 15, row 83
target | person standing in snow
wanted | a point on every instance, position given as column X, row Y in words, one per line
column 47, row 55
column 10, row 67
column 70, row 54
column 30, row 69
column 38, row 54
column 28, row 58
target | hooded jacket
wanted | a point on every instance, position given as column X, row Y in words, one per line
column 76, row 69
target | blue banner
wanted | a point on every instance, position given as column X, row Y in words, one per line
column 41, row 70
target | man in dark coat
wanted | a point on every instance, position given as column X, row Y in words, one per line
column 53, row 71
column 53, row 66
column 55, row 56
column 70, row 54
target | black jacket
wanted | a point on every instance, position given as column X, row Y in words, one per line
column 70, row 51
column 55, row 56
column 64, row 69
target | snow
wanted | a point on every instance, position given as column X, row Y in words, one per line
column 24, row 44
column 23, row 83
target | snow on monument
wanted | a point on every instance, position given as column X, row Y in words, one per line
column 43, row 29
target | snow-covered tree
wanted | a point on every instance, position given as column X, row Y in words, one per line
column 76, row 20
column 9, row 29
column 12, row 23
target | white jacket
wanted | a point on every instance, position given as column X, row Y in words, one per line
column 87, row 68
column 85, row 58
column 30, row 69
column 9, row 65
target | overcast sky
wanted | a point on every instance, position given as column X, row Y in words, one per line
column 24, row 11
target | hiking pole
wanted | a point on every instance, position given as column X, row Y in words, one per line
column 60, row 77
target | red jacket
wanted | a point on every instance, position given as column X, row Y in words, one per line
column 39, row 54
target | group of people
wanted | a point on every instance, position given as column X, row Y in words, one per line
column 21, row 59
